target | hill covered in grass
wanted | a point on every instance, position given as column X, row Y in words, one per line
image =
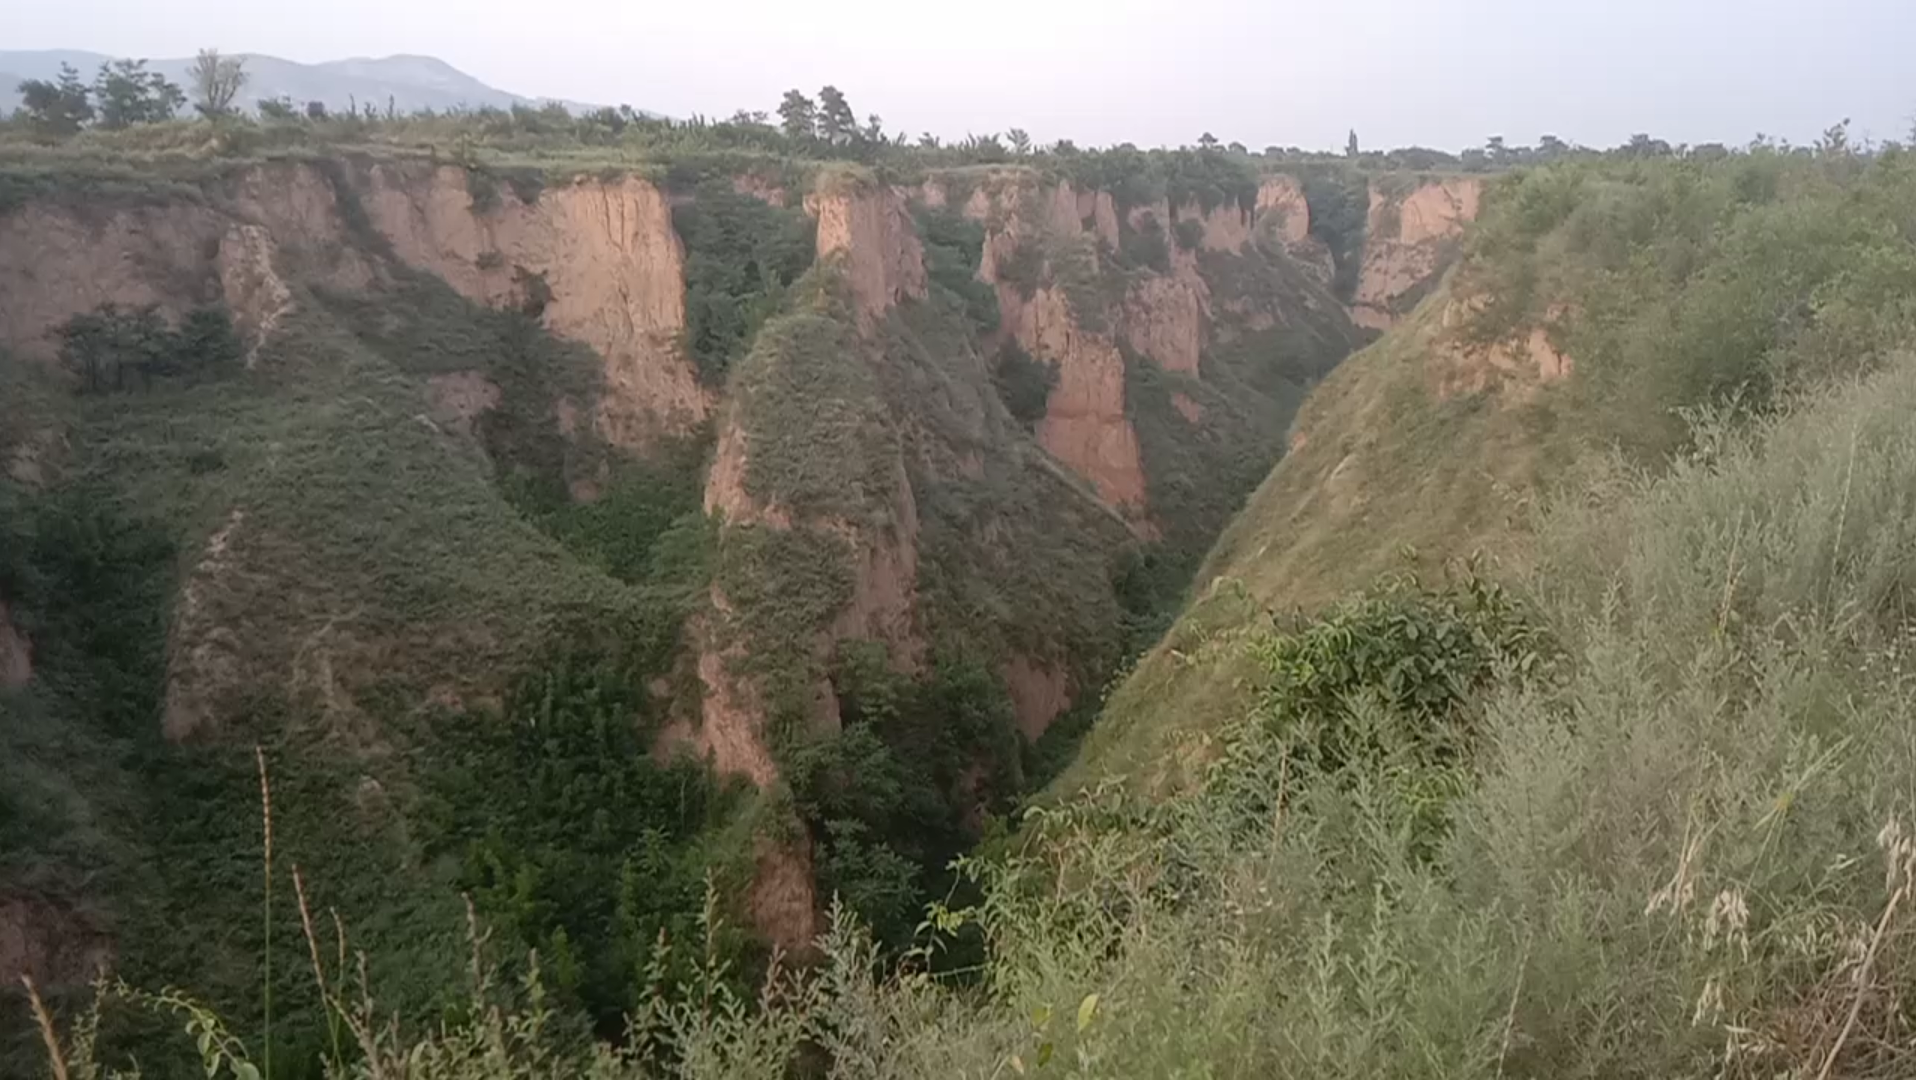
column 1596, row 309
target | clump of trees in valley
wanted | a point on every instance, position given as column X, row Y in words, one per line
column 113, row 348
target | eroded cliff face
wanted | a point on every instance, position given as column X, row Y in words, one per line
column 1040, row 694
column 1165, row 319
column 1516, row 368
column 1169, row 318
column 1084, row 425
column 239, row 246
column 1284, row 216
column 605, row 251
column 1408, row 240
column 872, row 231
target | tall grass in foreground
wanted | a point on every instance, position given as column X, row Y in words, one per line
column 1685, row 847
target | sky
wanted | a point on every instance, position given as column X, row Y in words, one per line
column 1442, row 73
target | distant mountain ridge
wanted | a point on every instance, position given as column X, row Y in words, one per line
column 406, row 82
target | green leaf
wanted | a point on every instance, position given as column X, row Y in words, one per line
column 1087, row 1009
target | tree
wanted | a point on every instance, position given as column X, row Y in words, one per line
column 1550, row 148
column 874, row 128
column 1495, row 149
column 927, row 140
column 1020, row 141
column 797, row 116
column 1350, row 145
column 836, row 123
column 1207, row 141
column 217, row 80
column 1643, row 146
column 56, row 109
column 1835, row 141
column 279, row 108
column 126, row 94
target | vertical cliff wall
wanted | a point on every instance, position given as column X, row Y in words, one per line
column 1411, row 236
column 603, row 254
column 1160, row 314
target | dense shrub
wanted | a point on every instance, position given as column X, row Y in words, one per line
column 1024, row 384
column 106, row 347
column 1339, row 203
column 894, row 796
column 741, row 256
column 1144, row 245
column 954, row 248
column 573, row 838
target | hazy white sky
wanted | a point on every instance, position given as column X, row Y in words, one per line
column 1443, row 73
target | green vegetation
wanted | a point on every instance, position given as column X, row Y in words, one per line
column 888, row 796
column 954, row 248
column 1670, row 284
column 1415, row 833
column 1339, row 202
column 741, row 256
column 822, row 444
column 1625, row 822
column 1024, row 384
column 101, row 348
column 1144, row 245
column 370, row 561
column 574, row 841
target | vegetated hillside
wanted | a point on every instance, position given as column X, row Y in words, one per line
column 1646, row 815
column 1597, row 303
column 573, row 539
column 403, row 83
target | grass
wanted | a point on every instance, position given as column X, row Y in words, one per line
column 1668, row 285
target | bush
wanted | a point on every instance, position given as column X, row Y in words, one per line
column 573, row 838
column 1339, row 204
column 890, row 797
column 1023, row 268
column 1024, row 384
column 741, row 257
column 1144, row 246
column 102, row 348
column 1189, row 233
column 954, row 249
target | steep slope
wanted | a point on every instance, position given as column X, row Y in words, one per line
column 1595, row 305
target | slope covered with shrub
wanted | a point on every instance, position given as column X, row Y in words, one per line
column 1597, row 304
